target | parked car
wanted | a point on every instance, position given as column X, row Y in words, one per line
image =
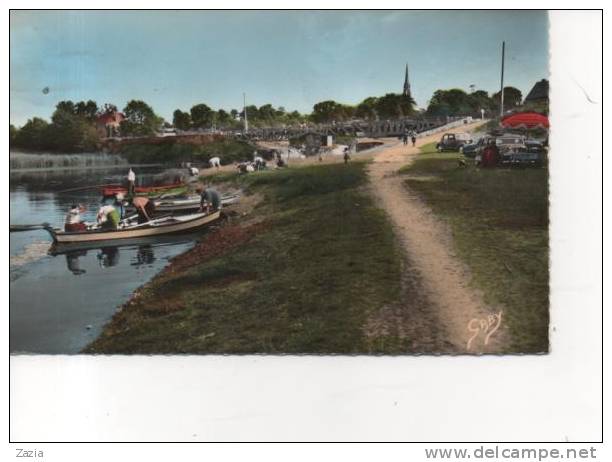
column 530, row 154
column 453, row 141
column 472, row 149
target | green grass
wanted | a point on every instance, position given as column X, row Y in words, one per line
column 499, row 221
column 306, row 283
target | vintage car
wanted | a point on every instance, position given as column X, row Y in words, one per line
column 472, row 149
column 453, row 141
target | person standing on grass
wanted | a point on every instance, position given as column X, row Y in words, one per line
column 346, row 155
column 490, row 155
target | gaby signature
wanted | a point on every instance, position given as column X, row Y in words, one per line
column 485, row 326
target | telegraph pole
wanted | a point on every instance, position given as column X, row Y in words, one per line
column 246, row 121
column 501, row 106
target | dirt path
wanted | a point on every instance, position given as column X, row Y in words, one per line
column 460, row 311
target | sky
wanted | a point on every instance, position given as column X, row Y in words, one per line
column 175, row 59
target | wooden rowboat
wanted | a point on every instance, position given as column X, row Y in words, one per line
column 158, row 227
column 190, row 203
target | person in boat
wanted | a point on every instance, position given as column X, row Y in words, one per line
column 108, row 218
column 131, row 177
column 73, row 219
column 145, row 208
column 210, row 200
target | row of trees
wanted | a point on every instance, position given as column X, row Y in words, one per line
column 202, row 116
column 73, row 125
column 458, row 102
column 71, row 129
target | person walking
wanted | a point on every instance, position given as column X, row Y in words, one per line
column 413, row 139
column 347, row 157
column 405, row 138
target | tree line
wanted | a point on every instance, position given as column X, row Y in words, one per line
column 73, row 124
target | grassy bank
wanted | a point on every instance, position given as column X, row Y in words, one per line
column 303, row 275
column 499, row 221
column 171, row 152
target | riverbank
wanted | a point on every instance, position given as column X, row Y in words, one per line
column 174, row 151
column 313, row 267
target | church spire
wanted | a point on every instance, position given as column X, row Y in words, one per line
column 406, row 84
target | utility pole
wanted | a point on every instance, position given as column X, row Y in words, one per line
column 246, row 121
column 501, row 106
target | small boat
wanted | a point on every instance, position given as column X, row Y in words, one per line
column 185, row 204
column 111, row 190
column 158, row 227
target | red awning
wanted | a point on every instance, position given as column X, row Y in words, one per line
column 525, row 120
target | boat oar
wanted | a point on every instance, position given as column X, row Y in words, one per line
column 18, row 228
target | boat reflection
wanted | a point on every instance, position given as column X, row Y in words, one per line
column 107, row 256
column 72, row 262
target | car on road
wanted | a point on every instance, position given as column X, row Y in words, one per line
column 453, row 141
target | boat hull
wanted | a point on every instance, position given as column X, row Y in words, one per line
column 146, row 190
column 202, row 220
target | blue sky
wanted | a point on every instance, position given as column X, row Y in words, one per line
column 175, row 59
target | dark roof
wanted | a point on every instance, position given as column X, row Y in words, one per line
column 538, row 92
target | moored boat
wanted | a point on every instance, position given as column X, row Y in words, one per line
column 157, row 227
column 190, row 203
column 145, row 190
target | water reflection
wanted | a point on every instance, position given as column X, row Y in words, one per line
column 144, row 256
column 108, row 256
column 72, row 262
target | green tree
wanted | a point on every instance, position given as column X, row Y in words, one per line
column 394, row 105
column 140, row 119
column 328, row 111
column 202, row 116
column 367, row 108
column 33, row 134
column 70, row 132
column 181, row 120
column 224, row 119
column 453, row 102
column 87, row 110
column 512, row 97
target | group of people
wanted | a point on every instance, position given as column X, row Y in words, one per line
column 412, row 136
column 113, row 209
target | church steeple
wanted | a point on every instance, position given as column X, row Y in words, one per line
column 406, row 84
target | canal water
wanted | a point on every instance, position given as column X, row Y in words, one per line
column 59, row 303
